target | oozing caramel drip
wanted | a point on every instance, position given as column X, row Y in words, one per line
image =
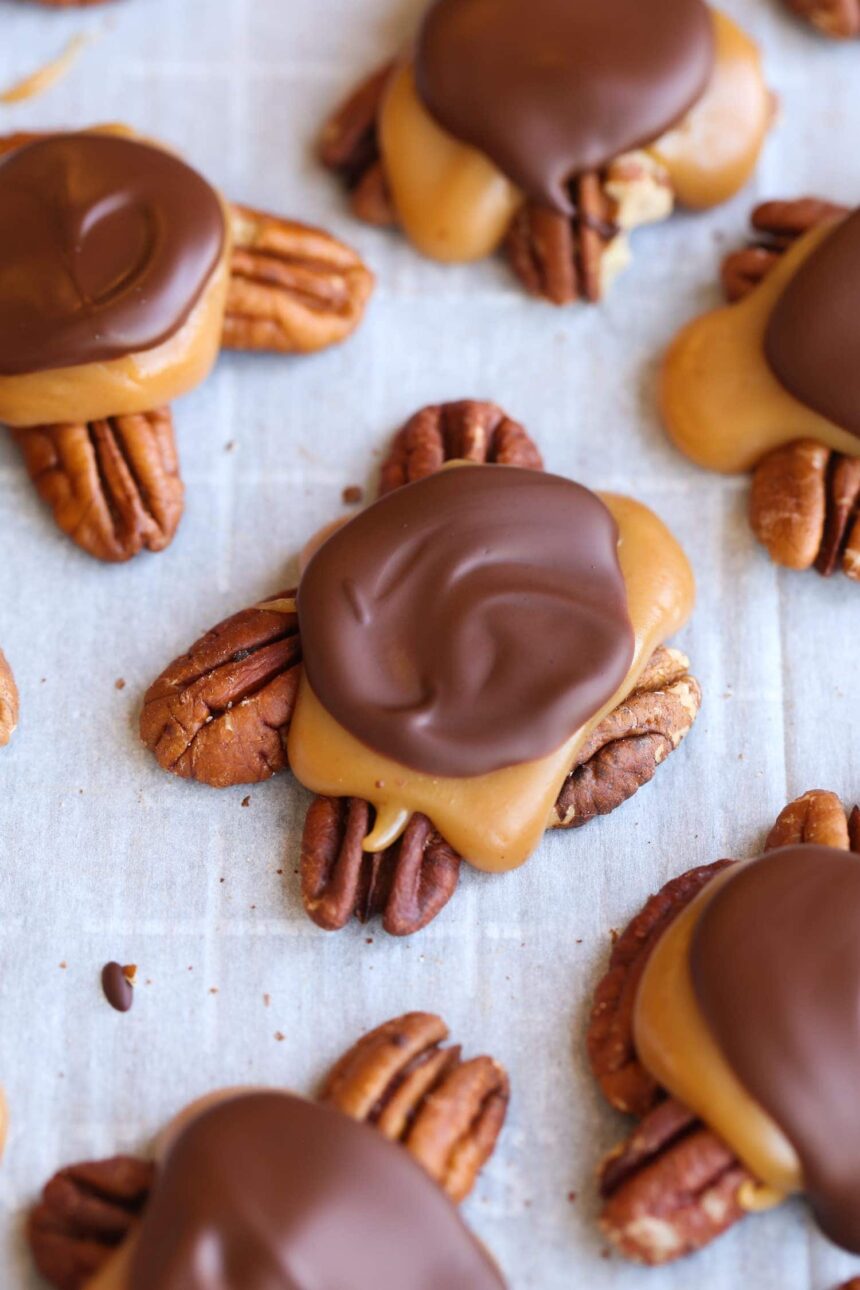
column 456, row 205
column 496, row 820
column 721, row 402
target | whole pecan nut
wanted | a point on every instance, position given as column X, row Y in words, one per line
column 293, row 288
column 113, row 485
column 805, row 508
column 408, row 884
column 673, row 1185
column 86, row 1211
column 9, row 702
column 221, row 713
column 447, row 1112
column 837, row 18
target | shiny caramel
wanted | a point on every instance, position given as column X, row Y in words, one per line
column 721, row 403
column 455, row 205
column 496, row 820
column 676, row 1046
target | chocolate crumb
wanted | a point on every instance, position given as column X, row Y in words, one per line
column 353, row 495
column 116, row 984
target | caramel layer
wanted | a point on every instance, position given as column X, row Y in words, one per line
column 497, row 820
column 721, row 403
column 713, row 151
column 675, row 1044
column 456, row 205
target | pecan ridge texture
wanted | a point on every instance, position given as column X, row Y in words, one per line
column 9, row 702
column 447, row 1112
column 673, row 1185
column 837, row 18
column 113, row 485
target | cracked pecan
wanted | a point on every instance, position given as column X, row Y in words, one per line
column 447, row 1112
column 468, row 430
column 293, row 288
column 86, row 1211
column 673, row 1185
column 625, row 750
column 9, row 702
column 113, row 485
column 776, row 226
column 220, row 714
column 566, row 258
column 837, row 18
column 408, row 884
column 805, row 508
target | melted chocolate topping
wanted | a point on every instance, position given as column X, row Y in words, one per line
column 469, row 621
column 775, row 961
column 812, row 341
column 106, row 245
column 549, row 89
column 269, row 1192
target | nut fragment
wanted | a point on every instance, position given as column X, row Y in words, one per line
column 805, row 508
column 671, row 1188
column 837, row 18
column 447, row 1112
column 407, row 884
column 220, row 714
column 469, row 430
column 626, row 748
column 776, row 225
column 113, row 485
column 293, row 288
column 86, row 1211
column 9, row 703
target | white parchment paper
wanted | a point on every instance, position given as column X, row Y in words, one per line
column 104, row 856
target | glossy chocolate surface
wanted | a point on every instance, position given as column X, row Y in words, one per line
column 813, row 339
column 775, row 961
column 470, row 621
column 269, row 1192
column 106, row 245
column 549, row 89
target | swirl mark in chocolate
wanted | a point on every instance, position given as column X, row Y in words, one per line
column 106, row 245
column 813, row 338
column 266, row 1191
column 775, row 962
column 549, row 89
column 470, row 621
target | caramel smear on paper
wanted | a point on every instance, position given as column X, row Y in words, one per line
column 48, row 75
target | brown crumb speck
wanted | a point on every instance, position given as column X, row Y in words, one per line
column 246, row 801
column 280, row 1036
column 267, row 999
column 353, row 495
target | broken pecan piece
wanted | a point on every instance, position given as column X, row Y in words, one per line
column 776, row 226
column 220, row 714
column 447, row 1112
column 468, row 430
column 86, row 1211
column 9, row 703
column 837, row 18
column 408, row 884
column 626, row 748
column 805, row 508
column 293, row 288
column 113, row 485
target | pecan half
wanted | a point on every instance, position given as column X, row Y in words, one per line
column 566, row 258
column 220, row 714
column 349, row 146
column 776, row 226
column 805, row 508
column 837, row 18
column 293, row 288
column 9, row 702
column 817, row 817
column 113, row 485
column 86, row 1211
column 626, row 748
column 672, row 1188
column 468, row 430
column 447, row 1112
column 408, row 884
